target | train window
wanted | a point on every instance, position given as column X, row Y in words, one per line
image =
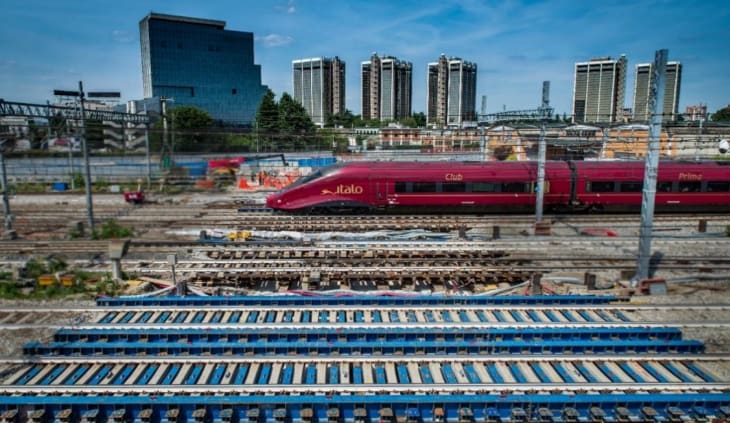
column 631, row 186
column 599, row 186
column 690, row 186
column 401, row 187
column 718, row 186
column 484, row 187
column 665, row 186
column 453, row 187
column 424, row 187
column 515, row 187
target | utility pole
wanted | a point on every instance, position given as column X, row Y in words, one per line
column 651, row 167
column 541, row 151
column 165, row 145
column 87, row 167
column 84, row 145
column 147, row 149
column 6, row 203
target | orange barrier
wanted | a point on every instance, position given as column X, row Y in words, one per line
column 205, row 184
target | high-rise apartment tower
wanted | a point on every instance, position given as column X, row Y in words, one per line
column 452, row 90
column 197, row 62
column 319, row 85
column 387, row 88
column 642, row 83
column 599, row 90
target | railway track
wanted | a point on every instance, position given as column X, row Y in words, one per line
column 604, row 315
column 502, row 358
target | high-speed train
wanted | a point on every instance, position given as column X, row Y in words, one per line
column 505, row 187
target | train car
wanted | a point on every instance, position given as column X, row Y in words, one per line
column 425, row 187
column 681, row 186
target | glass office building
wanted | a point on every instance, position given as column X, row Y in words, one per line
column 196, row 62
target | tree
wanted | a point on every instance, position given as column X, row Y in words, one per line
column 722, row 115
column 344, row 119
column 420, row 118
column 408, row 122
column 294, row 123
column 191, row 126
column 188, row 127
column 267, row 116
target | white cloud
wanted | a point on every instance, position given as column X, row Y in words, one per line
column 290, row 8
column 275, row 40
column 122, row 36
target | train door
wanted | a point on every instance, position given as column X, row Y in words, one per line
column 383, row 191
column 382, row 194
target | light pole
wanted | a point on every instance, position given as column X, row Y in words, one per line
column 84, row 144
column 6, row 203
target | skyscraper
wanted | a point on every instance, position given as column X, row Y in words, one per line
column 387, row 88
column 642, row 83
column 319, row 85
column 599, row 90
column 452, row 90
column 197, row 62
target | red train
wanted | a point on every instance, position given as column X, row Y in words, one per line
column 504, row 187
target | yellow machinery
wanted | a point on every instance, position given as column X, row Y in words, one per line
column 239, row 236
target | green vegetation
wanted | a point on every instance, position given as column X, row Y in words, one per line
column 112, row 229
column 26, row 287
column 722, row 115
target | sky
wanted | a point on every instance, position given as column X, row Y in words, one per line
column 53, row 44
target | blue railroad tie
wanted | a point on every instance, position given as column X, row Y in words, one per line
column 402, row 372
column 425, row 373
column 676, row 372
column 30, row 374
column 241, row 373
column 357, row 376
column 632, row 374
column 607, row 371
column 494, row 373
column 563, row 373
column 311, row 376
column 57, row 370
column 123, row 374
column 181, row 316
column 172, row 371
column 699, row 372
column 517, row 373
column 100, row 375
column 264, row 373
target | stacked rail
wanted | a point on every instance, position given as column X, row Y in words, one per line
column 357, row 359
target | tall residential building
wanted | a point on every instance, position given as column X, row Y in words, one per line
column 695, row 112
column 452, row 91
column 197, row 62
column 642, row 84
column 599, row 90
column 387, row 88
column 319, row 85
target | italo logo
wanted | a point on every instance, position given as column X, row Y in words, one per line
column 344, row 189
